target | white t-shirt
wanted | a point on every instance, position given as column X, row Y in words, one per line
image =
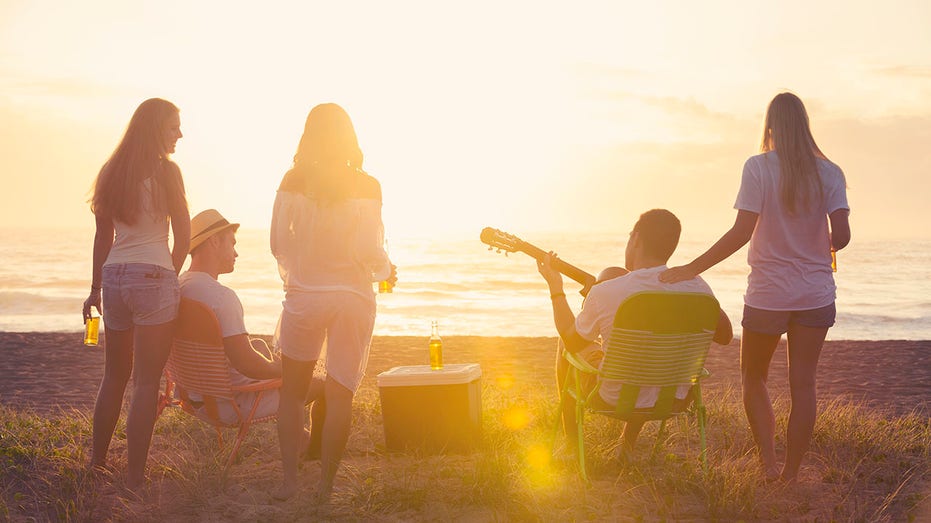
column 200, row 286
column 790, row 255
column 600, row 306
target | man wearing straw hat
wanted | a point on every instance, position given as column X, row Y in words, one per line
column 213, row 252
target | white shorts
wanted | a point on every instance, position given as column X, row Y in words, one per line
column 268, row 406
column 344, row 320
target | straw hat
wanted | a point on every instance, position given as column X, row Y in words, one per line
column 206, row 224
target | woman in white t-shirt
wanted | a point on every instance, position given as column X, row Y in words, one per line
column 788, row 196
column 138, row 194
column 328, row 238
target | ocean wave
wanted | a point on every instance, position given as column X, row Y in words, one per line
column 16, row 303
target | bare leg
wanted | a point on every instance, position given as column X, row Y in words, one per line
column 335, row 433
column 804, row 350
column 295, row 382
column 756, row 352
column 629, row 436
column 118, row 367
column 317, row 418
column 568, row 403
column 152, row 344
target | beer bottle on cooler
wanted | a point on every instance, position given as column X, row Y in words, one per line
column 436, row 347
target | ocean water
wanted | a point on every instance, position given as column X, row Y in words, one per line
column 884, row 287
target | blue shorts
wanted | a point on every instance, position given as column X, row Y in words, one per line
column 139, row 294
column 777, row 322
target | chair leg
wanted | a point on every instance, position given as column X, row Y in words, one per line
column 557, row 426
column 243, row 430
column 166, row 398
column 580, row 427
column 703, row 450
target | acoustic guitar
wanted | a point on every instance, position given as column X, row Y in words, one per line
column 504, row 242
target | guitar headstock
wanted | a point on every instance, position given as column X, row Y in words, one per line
column 497, row 239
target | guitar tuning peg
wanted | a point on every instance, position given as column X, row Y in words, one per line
column 499, row 251
column 505, row 254
column 490, row 248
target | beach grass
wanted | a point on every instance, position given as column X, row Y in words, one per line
column 864, row 465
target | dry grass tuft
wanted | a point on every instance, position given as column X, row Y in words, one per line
column 864, row 465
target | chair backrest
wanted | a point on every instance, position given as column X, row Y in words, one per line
column 659, row 339
column 198, row 362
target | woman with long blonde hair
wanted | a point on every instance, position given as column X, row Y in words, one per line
column 327, row 235
column 792, row 208
column 138, row 194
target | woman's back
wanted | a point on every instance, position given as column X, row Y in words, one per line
column 146, row 239
column 322, row 244
column 790, row 252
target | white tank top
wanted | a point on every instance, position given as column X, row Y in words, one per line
column 145, row 241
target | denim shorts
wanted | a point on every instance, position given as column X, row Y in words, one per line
column 777, row 322
column 139, row 294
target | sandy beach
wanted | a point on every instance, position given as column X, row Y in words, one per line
column 849, row 476
column 47, row 371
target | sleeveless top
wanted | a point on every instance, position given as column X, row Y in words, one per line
column 145, row 241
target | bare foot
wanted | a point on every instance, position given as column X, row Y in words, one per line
column 134, row 489
column 324, row 491
column 101, row 470
column 788, row 479
column 771, row 475
column 285, row 492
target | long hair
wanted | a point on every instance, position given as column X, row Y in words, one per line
column 328, row 162
column 141, row 154
column 787, row 132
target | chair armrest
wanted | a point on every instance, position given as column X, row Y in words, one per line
column 579, row 363
column 258, row 386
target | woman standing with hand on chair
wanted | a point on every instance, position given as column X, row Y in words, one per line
column 137, row 194
column 328, row 238
column 787, row 197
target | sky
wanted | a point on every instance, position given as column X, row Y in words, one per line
column 524, row 116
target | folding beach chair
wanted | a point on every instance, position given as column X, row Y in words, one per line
column 659, row 339
column 198, row 365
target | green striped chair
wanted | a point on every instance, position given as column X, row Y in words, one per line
column 659, row 339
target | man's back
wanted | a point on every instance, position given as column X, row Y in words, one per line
column 201, row 287
column 600, row 306
column 602, row 302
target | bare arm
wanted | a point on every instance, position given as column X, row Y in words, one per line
column 103, row 242
column 181, row 231
column 244, row 358
column 562, row 314
column 180, row 222
column 840, row 228
column 735, row 238
column 724, row 333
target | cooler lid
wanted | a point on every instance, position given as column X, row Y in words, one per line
column 451, row 374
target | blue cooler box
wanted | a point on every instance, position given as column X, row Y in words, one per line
column 432, row 410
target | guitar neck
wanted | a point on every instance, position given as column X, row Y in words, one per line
column 577, row 274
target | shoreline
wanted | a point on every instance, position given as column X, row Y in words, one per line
column 49, row 371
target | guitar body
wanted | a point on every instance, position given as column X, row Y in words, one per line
column 503, row 241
